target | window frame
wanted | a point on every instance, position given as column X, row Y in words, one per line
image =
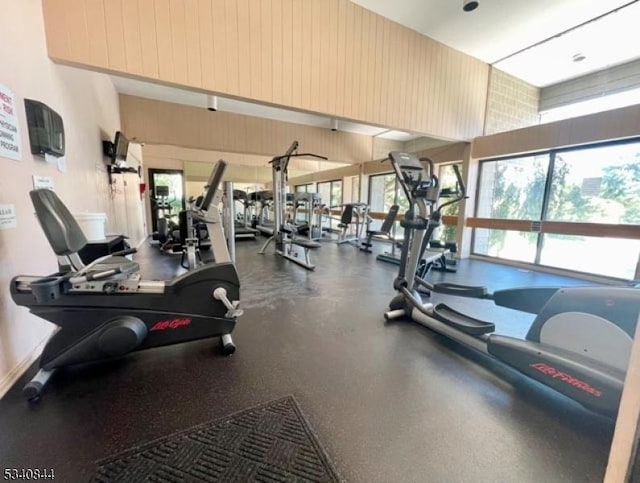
column 544, row 226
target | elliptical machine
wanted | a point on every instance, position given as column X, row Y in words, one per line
column 163, row 211
column 580, row 341
column 105, row 310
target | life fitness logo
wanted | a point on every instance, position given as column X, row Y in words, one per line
column 171, row 324
column 566, row 378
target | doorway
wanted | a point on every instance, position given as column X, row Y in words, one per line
column 166, row 193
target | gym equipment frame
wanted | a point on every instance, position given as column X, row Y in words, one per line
column 285, row 234
column 105, row 310
column 580, row 341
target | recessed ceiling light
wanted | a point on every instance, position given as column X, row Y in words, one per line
column 469, row 5
column 579, row 57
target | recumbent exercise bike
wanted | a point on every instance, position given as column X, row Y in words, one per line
column 104, row 309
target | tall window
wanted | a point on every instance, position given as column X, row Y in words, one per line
column 447, row 178
column 596, row 185
column 352, row 189
column 385, row 191
column 571, row 195
column 331, row 192
column 306, row 188
column 511, row 189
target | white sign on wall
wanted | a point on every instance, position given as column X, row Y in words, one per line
column 7, row 217
column 43, row 182
column 9, row 134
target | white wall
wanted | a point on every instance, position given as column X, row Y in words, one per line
column 88, row 104
column 127, row 214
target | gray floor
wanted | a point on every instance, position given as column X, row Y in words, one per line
column 389, row 402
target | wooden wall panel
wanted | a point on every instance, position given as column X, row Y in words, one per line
column 206, row 44
column 132, row 39
column 56, row 33
column 245, row 67
column 233, row 45
column 179, row 41
column 194, row 60
column 220, row 67
column 266, row 44
column 157, row 122
column 113, row 20
column 80, row 46
column 287, row 53
column 255, row 57
column 326, row 91
column 148, row 42
column 602, row 126
column 99, row 53
column 326, row 56
column 163, row 37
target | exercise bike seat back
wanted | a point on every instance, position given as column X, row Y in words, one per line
column 66, row 237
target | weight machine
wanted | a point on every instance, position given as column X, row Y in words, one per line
column 288, row 241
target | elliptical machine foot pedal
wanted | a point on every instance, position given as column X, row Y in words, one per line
column 462, row 322
column 461, row 290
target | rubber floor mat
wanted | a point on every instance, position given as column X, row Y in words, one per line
column 272, row 442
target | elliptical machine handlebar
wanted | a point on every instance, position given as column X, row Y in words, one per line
column 461, row 190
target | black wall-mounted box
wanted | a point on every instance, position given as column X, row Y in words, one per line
column 46, row 129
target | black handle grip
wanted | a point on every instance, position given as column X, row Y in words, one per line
column 123, row 253
column 461, row 290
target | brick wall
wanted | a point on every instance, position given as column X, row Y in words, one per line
column 511, row 103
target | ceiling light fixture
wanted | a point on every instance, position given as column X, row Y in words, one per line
column 579, row 57
column 212, row 103
column 469, row 5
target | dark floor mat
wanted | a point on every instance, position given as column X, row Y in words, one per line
column 268, row 443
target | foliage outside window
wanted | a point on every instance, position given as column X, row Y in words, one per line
column 447, row 179
column 174, row 182
column 596, row 184
column 600, row 185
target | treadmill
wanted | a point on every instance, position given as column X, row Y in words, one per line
column 242, row 230
column 265, row 198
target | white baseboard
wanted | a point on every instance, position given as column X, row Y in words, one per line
column 16, row 373
column 141, row 242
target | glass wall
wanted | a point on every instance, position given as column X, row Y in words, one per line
column 572, row 193
column 598, row 185
column 352, row 189
column 513, row 188
column 382, row 195
column 331, row 192
column 306, row 188
column 331, row 196
column 447, row 178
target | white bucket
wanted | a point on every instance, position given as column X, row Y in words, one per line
column 92, row 225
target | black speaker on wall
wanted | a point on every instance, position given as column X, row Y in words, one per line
column 46, row 129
